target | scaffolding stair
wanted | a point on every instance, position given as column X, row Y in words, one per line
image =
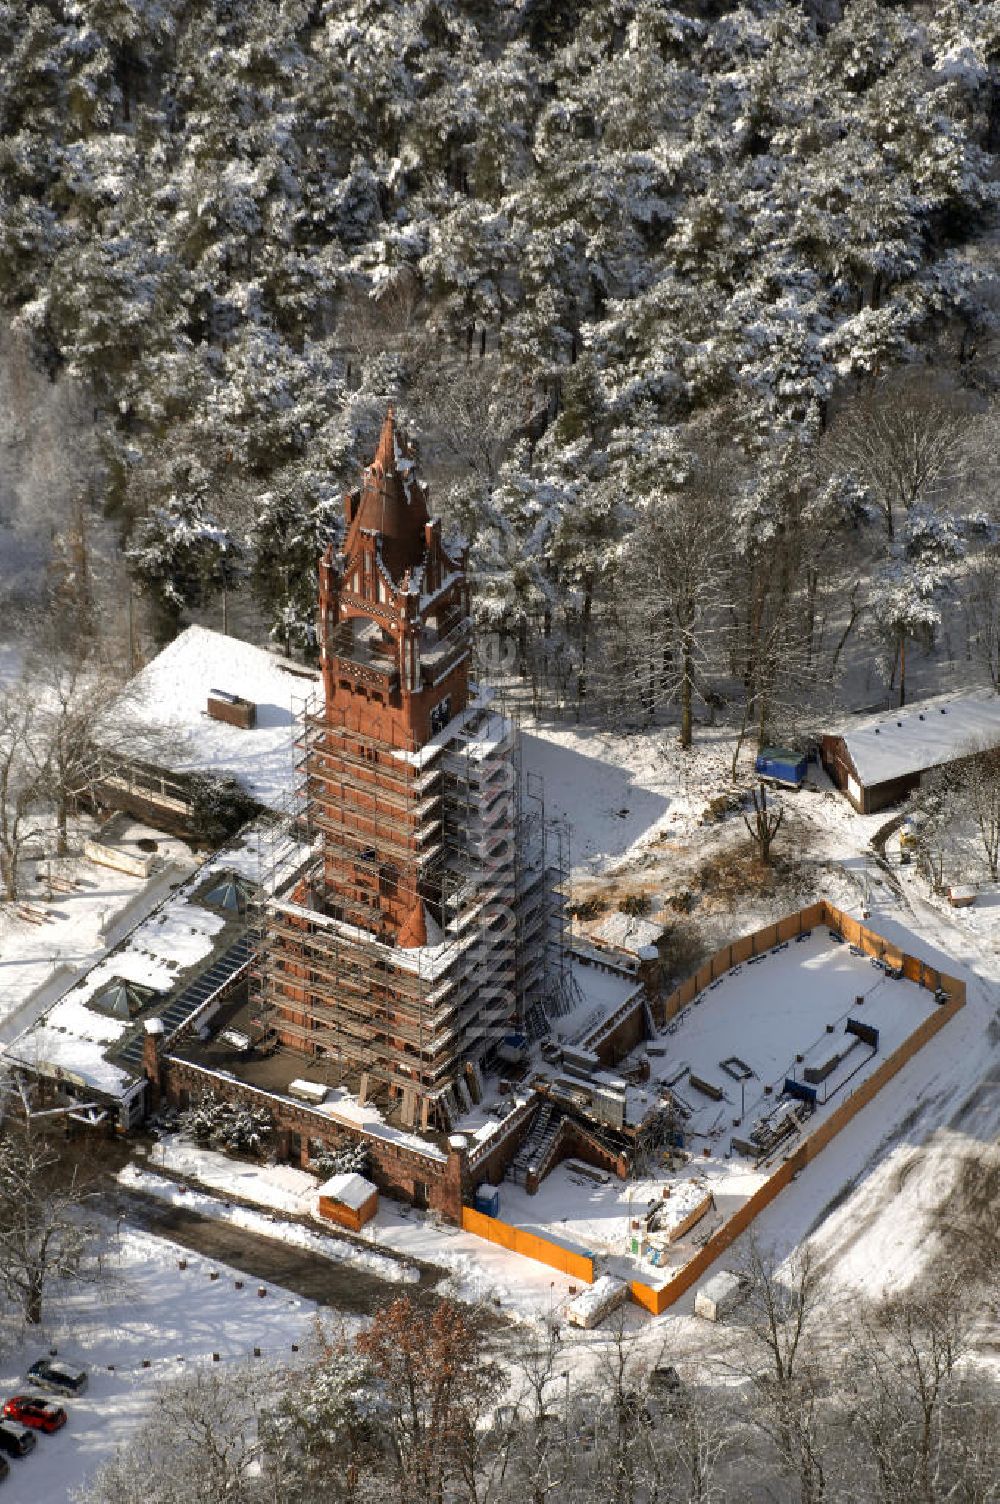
column 536, row 1023
column 565, row 996
column 536, row 1146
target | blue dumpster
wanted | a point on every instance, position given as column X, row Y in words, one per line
column 782, row 765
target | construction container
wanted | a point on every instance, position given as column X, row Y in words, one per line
column 718, row 1296
column 591, row 1306
column 782, row 765
column 313, row 1092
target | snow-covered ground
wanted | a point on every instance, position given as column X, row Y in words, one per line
column 620, row 791
column 266, row 1225
column 281, row 1188
column 477, row 1271
column 151, row 1311
column 277, row 1189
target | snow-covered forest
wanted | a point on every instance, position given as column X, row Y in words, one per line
column 691, row 310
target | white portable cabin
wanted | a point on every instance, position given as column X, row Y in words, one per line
column 718, row 1295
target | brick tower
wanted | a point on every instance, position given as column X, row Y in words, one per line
column 395, row 639
column 392, row 963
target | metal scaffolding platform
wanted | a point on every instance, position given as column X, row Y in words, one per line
column 463, row 837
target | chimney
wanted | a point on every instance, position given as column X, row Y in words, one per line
column 152, row 1058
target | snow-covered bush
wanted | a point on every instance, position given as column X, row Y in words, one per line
column 219, row 807
column 349, row 1159
column 228, row 1125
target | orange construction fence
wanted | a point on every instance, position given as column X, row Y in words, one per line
column 577, row 1265
column 657, row 1300
column 581, row 1266
column 821, row 912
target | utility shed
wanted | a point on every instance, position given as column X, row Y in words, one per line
column 879, row 760
column 348, row 1199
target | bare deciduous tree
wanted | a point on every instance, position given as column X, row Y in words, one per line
column 981, row 595
column 912, row 1406
column 672, row 578
column 536, row 1434
column 82, row 729
column 782, row 1364
column 978, row 779
column 765, row 822
column 905, row 439
column 20, row 797
column 44, row 1232
column 476, row 412
column 199, row 1446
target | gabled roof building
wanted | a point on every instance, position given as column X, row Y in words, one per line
column 881, row 759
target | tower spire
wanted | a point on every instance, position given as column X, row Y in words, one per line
column 385, row 454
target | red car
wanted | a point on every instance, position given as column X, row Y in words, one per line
column 32, row 1410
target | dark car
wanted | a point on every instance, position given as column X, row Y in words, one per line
column 32, row 1410
column 53, row 1373
column 665, row 1378
column 16, row 1440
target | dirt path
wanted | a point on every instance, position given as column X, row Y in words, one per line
column 342, row 1286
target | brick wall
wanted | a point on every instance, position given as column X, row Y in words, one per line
column 395, row 1168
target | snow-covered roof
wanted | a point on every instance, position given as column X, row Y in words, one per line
column 922, row 736
column 629, row 932
column 350, row 1189
column 162, row 953
column 171, row 696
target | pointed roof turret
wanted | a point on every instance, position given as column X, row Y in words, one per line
column 392, row 503
column 385, row 454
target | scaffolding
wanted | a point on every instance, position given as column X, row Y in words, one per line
column 452, row 831
column 419, row 932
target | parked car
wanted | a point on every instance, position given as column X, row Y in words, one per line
column 53, row 1373
column 16, row 1440
column 32, row 1410
column 666, row 1378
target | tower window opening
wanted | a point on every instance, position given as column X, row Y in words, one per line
column 440, row 715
